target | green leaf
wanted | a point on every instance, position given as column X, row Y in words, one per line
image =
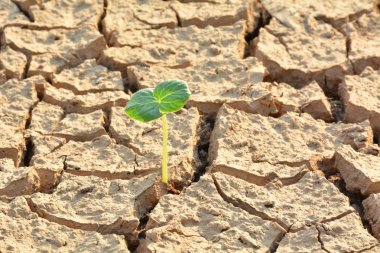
column 150, row 104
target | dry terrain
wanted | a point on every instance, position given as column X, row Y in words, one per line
column 277, row 149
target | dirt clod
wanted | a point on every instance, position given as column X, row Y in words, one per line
column 361, row 98
column 359, row 171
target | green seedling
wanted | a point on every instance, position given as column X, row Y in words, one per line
column 150, row 104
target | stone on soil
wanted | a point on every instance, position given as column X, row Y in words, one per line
column 309, row 201
column 198, row 218
column 360, row 172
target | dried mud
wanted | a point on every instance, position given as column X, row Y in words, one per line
column 277, row 149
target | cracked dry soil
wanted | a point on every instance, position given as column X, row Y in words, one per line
column 276, row 151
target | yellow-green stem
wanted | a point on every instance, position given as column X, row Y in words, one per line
column 164, row 149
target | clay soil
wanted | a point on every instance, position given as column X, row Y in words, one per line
column 277, row 149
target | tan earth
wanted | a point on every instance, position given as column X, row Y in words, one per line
column 23, row 230
column 357, row 92
column 277, row 149
column 359, row 171
column 371, row 207
column 280, row 49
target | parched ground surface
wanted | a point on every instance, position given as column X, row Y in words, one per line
column 277, row 149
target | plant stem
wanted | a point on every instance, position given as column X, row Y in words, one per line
column 164, row 149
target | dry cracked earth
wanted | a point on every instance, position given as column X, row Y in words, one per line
column 276, row 151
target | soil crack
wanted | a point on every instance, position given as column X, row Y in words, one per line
column 337, row 107
column 103, row 229
column 277, row 242
column 256, row 179
column 320, row 240
column 144, row 205
column 107, row 121
column 261, row 18
column 39, row 26
column 100, row 22
column 338, row 26
column 337, row 217
column 29, row 152
column 355, row 199
column 367, row 249
column 26, row 14
column 25, row 51
column 281, row 40
column 204, row 131
column 308, row 162
column 27, row 65
column 179, row 22
column 110, row 175
column 247, row 207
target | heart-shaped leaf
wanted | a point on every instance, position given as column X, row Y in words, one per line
column 150, row 104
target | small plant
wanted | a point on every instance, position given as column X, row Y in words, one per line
column 151, row 104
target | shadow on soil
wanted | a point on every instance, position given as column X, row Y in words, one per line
column 355, row 198
column 204, row 133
